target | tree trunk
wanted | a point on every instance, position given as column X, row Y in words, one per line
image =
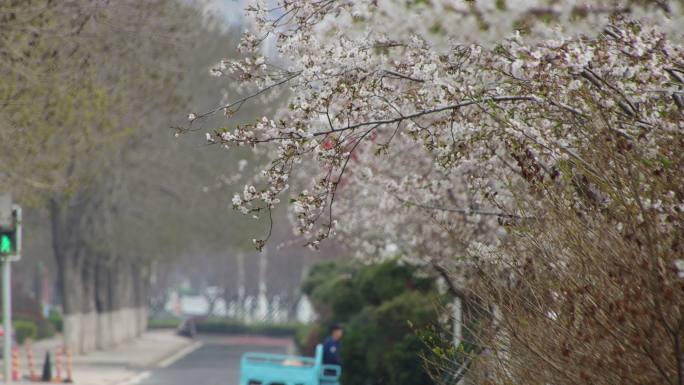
column 117, row 288
column 103, row 304
column 141, row 277
column 89, row 316
column 69, row 257
column 241, row 287
column 458, row 322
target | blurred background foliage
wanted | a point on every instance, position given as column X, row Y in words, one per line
column 384, row 309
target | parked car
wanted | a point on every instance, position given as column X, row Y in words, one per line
column 266, row 369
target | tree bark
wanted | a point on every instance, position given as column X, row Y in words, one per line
column 103, row 303
column 89, row 316
column 141, row 279
column 69, row 257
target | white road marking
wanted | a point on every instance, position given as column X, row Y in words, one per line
column 163, row 364
column 135, row 379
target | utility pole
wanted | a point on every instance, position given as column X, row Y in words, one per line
column 7, row 320
column 10, row 251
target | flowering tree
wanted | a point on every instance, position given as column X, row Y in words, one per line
column 427, row 125
column 374, row 94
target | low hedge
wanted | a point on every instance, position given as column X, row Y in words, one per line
column 232, row 327
column 43, row 326
column 46, row 329
column 56, row 320
column 24, row 330
column 213, row 326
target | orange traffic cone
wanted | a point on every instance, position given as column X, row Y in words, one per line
column 16, row 369
column 58, row 365
column 69, row 366
column 31, row 364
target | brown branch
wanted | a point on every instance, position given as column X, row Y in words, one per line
column 246, row 98
column 402, row 76
column 339, row 178
column 495, row 99
column 444, row 273
column 377, row 123
column 461, row 211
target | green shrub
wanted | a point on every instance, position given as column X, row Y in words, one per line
column 24, row 330
column 232, row 327
column 306, row 338
column 380, row 342
column 221, row 326
column 55, row 319
column 44, row 328
column 382, row 308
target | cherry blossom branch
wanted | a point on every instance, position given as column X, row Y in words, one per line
column 495, row 99
column 375, row 123
column 402, row 76
column 460, row 210
column 244, row 99
column 344, row 167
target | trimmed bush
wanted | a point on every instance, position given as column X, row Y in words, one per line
column 55, row 319
column 24, row 330
column 306, row 339
column 44, row 327
column 383, row 307
column 233, row 327
column 219, row 326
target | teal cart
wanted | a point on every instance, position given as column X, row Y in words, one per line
column 277, row 369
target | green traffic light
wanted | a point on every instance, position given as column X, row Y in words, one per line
column 5, row 244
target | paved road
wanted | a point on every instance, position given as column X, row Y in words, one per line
column 216, row 362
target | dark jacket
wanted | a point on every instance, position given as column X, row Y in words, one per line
column 331, row 352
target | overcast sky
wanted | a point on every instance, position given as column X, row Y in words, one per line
column 230, row 10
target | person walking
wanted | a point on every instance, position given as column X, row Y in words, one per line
column 331, row 346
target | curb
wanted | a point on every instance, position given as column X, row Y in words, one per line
column 140, row 371
column 169, row 360
column 155, row 361
column 161, row 363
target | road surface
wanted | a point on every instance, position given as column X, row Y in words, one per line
column 216, row 362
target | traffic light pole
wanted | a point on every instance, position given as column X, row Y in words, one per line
column 7, row 320
column 10, row 247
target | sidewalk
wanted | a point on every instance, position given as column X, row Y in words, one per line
column 115, row 366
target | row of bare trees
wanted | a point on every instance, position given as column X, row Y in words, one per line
column 88, row 94
column 234, row 282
